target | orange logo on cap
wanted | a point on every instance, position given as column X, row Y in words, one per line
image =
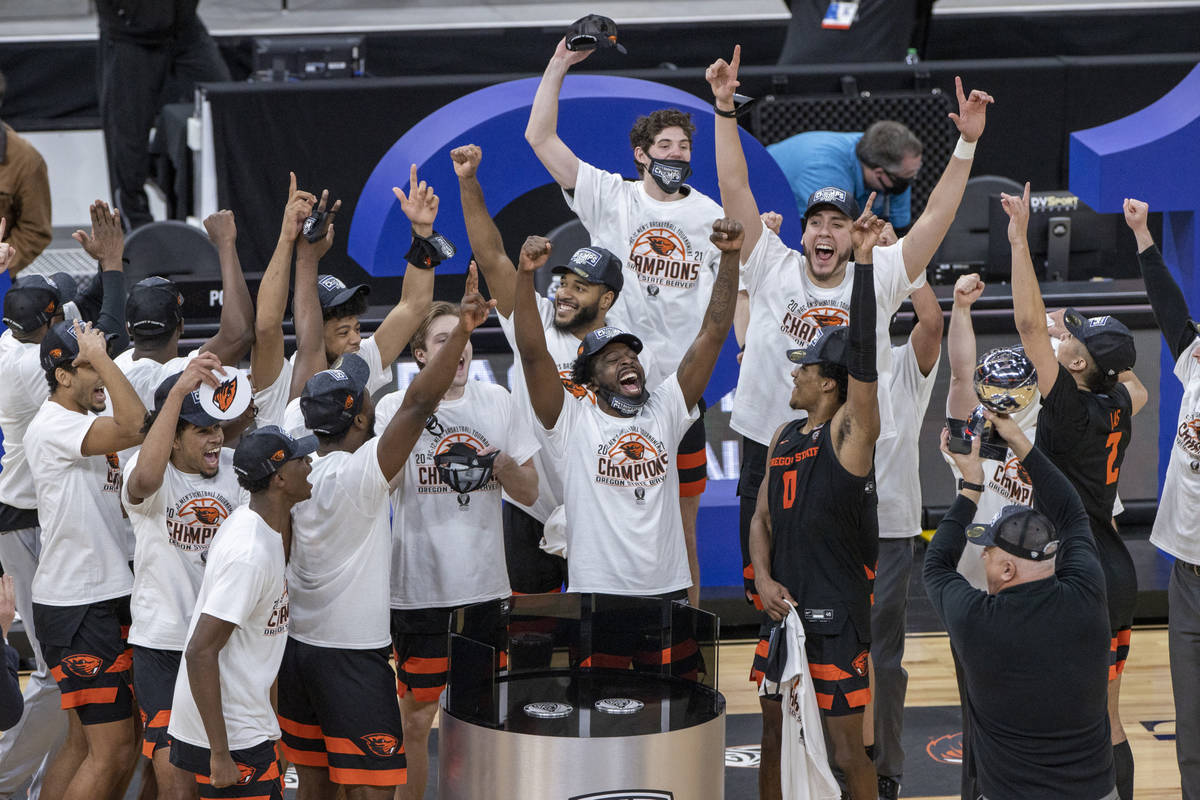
column 50, row 307
column 224, row 394
column 278, row 455
column 56, row 353
column 349, row 402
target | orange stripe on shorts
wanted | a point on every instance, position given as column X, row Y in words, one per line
column 300, row 729
column 828, row 672
column 368, row 777
column 416, row 665
column 84, row 697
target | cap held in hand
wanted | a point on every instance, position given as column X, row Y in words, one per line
column 592, row 32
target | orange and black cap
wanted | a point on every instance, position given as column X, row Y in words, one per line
column 262, row 453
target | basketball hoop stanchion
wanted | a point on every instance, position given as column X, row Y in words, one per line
column 574, row 696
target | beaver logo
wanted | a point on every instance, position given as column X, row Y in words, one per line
column 113, row 460
column 660, row 256
column 946, row 749
column 860, row 663
column 804, row 325
column 278, row 456
column 85, row 666
column 633, row 447
column 662, row 245
column 224, row 394
column 635, row 450
column 1187, row 438
column 381, row 744
column 247, row 773
column 824, row 316
column 632, row 458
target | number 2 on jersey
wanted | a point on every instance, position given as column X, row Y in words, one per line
column 1114, row 471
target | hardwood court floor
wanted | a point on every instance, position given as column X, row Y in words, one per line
column 1147, row 707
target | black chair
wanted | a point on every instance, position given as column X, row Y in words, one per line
column 967, row 240
column 170, row 249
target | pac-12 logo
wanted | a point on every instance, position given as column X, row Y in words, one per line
column 660, row 254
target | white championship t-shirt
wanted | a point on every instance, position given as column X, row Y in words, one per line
column 85, row 556
column 340, row 563
column 670, row 263
column 1176, row 530
column 174, row 528
column 272, row 401
column 786, row 310
column 22, row 392
column 448, row 548
column 564, row 349
column 243, row 584
column 145, row 374
column 897, row 459
column 621, row 492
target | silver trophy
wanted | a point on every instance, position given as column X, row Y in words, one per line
column 1005, row 382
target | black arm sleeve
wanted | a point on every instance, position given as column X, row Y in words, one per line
column 948, row 590
column 1078, row 560
column 112, row 310
column 861, row 361
column 11, row 701
column 1167, row 300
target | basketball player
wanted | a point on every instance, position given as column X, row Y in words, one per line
column 592, row 281
column 447, row 539
column 223, row 725
column 179, row 488
column 1089, row 396
column 1176, row 530
column 82, row 584
column 814, row 537
column 620, row 478
column 659, row 227
column 337, row 707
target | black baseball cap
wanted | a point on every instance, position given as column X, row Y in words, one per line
column 830, row 346
column 1018, row 530
column 601, row 338
column 60, row 346
column 332, row 397
column 155, row 306
column 1108, row 341
column 835, row 198
column 260, row 454
column 591, row 32
column 34, row 300
column 595, row 265
column 190, row 411
column 333, row 291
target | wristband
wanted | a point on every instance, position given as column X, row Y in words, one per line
column 964, row 149
column 974, row 487
column 429, row 251
column 720, row 112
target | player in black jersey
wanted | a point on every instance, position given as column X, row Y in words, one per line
column 1089, row 396
column 814, row 538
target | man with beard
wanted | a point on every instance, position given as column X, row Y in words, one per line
column 659, row 227
column 82, row 584
column 337, row 703
column 179, row 488
column 620, row 478
column 592, row 280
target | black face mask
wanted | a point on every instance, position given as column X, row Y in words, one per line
column 669, row 173
column 625, row 406
column 899, row 185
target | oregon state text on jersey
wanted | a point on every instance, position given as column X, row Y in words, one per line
column 662, row 255
column 196, row 518
column 801, row 322
column 634, row 458
column 429, row 481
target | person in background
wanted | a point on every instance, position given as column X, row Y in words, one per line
column 24, row 195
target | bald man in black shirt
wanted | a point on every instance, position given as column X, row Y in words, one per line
column 1033, row 645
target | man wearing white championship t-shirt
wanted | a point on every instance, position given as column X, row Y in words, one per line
column 223, row 726
column 1176, row 530
column 914, row 370
column 792, row 294
column 618, row 456
column 82, row 584
column 337, row 707
column 334, row 329
column 178, row 490
column 447, row 531
column 659, row 226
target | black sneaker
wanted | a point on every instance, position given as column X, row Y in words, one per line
column 888, row 788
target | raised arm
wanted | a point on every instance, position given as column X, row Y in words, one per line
column 949, row 591
column 147, row 474
column 542, row 130
column 420, row 206
column 855, row 426
column 235, row 334
column 776, row 599
column 106, row 244
column 1029, row 311
column 1166, row 298
column 541, row 374
column 204, row 679
column 926, row 234
column 926, row 336
column 307, row 316
column 960, row 348
column 266, row 356
column 427, row 388
column 1138, row 394
column 697, row 364
column 732, row 174
column 486, row 243
column 124, row 428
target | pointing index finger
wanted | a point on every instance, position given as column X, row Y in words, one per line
column 737, row 58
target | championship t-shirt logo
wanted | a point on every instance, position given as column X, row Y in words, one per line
column 1010, row 480
column 278, row 621
column 803, row 321
column 1187, row 438
column 195, row 518
column 429, row 480
column 634, row 458
column 663, row 256
column 112, row 481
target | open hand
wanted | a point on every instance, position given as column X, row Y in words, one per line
column 1017, row 209
column 200, row 370
column 106, row 243
column 534, row 253
column 727, row 235
column 299, row 206
column 420, row 205
column 473, row 310
column 972, row 111
column 722, row 76
column 221, row 227
column 466, row 160
column 93, row 347
column 967, row 289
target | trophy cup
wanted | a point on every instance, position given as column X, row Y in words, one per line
column 1005, row 382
